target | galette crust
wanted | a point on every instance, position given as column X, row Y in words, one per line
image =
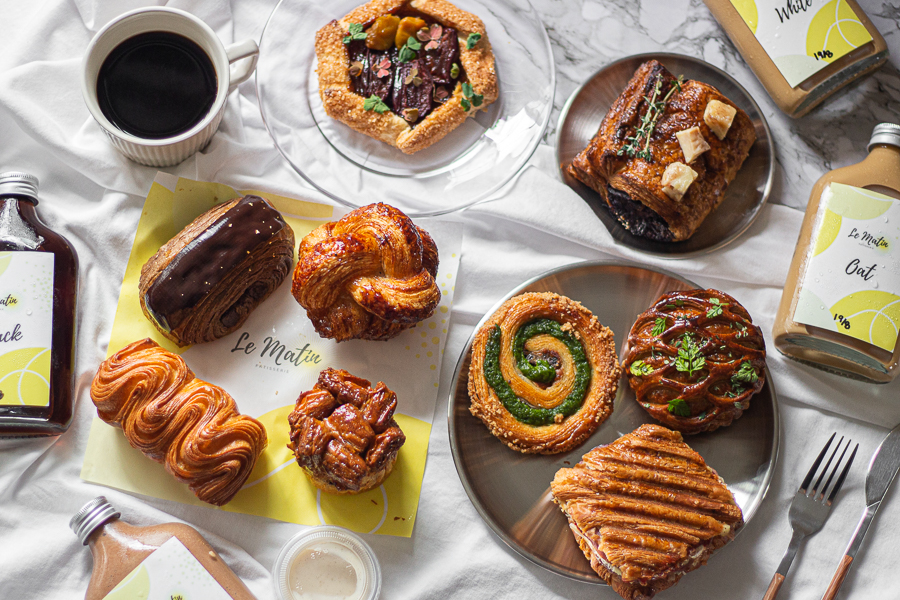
column 342, row 104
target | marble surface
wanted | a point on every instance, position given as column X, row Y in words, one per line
column 95, row 197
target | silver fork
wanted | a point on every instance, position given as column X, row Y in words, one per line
column 811, row 506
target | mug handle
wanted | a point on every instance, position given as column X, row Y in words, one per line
column 242, row 72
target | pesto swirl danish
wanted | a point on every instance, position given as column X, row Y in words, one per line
column 543, row 374
column 205, row 282
column 190, row 426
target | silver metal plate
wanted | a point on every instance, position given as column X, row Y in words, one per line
column 580, row 119
column 511, row 491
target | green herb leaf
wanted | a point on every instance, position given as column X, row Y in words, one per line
column 715, row 311
column 466, row 105
column 356, row 33
column 746, row 374
column 659, row 326
column 689, row 359
column 640, row 369
column 679, row 408
column 375, row 103
column 467, row 90
column 477, row 100
column 454, row 71
column 473, row 39
column 408, row 51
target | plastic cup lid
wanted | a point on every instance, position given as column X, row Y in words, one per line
column 314, row 536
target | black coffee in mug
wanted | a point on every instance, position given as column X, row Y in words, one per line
column 156, row 85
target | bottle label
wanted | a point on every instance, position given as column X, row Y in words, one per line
column 852, row 279
column 170, row 573
column 802, row 37
column 26, row 327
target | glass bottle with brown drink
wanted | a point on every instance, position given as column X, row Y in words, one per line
column 171, row 560
column 38, row 281
column 840, row 309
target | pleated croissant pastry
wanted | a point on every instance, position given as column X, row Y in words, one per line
column 367, row 276
column 205, row 282
column 543, row 374
column 190, row 426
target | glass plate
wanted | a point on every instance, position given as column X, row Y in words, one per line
column 468, row 165
column 745, row 196
column 511, row 491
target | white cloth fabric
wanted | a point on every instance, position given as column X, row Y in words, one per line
column 93, row 196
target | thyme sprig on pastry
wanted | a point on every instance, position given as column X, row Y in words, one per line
column 638, row 145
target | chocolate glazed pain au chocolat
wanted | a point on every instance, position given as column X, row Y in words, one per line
column 191, row 427
column 205, row 282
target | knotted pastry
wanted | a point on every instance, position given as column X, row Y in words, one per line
column 543, row 374
column 343, row 433
column 645, row 510
column 663, row 185
column 190, row 426
column 405, row 72
column 205, row 282
column 694, row 360
column 367, row 276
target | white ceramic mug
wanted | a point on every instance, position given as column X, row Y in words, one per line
column 233, row 64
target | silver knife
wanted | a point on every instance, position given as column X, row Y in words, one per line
column 882, row 470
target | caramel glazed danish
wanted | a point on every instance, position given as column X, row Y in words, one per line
column 190, row 426
column 543, row 374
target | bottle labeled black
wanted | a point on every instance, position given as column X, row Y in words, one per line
column 38, row 287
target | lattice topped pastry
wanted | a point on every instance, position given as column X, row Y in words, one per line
column 343, row 433
column 543, row 374
column 694, row 359
column 406, row 72
column 645, row 510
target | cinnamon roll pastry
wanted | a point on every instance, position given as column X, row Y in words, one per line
column 694, row 359
column 190, row 426
column 205, row 282
column 343, row 433
column 367, row 276
column 645, row 510
column 543, row 374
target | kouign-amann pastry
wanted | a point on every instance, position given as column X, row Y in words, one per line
column 406, row 72
column 645, row 510
column 190, row 426
column 367, row 276
column 205, row 282
column 343, row 433
column 543, row 374
column 695, row 359
column 665, row 153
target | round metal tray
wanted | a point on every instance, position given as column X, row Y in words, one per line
column 746, row 195
column 511, row 491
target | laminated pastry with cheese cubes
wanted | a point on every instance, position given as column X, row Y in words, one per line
column 665, row 154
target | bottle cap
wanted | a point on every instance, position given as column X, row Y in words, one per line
column 16, row 182
column 885, row 133
column 91, row 516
